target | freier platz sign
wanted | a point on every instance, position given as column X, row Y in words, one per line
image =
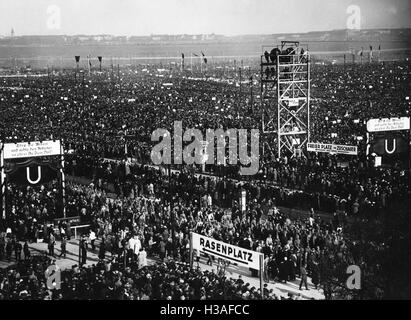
column 332, row 148
column 32, row 149
column 226, row 251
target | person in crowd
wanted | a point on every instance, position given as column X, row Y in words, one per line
column 92, row 239
column 26, row 250
column 9, row 249
column 51, row 244
column 18, row 248
column 142, row 258
column 63, row 247
column 102, row 249
column 83, row 250
column 303, row 272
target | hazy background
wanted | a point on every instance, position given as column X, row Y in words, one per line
column 229, row 17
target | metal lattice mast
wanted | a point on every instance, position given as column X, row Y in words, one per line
column 285, row 98
column 268, row 101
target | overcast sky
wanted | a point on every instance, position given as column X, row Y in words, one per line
column 229, row 17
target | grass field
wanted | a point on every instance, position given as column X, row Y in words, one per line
column 62, row 56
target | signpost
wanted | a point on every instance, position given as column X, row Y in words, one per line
column 293, row 102
column 243, row 202
column 388, row 124
column 229, row 252
column 388, row 141
column 33, row 149
column 332, row 148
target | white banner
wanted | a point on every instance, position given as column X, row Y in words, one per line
column 332, row 148
column 243, row 202
column 226, row 251
column 388, row 124
column 31, row 149
column 293, row 102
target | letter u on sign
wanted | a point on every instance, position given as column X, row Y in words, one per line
column 38, row 175
column 386, row 146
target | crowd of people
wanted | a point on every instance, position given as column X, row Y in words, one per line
column 111, row 115
column 159, row 219
column 105, row 122
column 170, row 280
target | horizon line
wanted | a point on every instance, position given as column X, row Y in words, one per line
column 199, row 34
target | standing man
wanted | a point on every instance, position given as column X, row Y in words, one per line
column 92, row 239
column 68, row 230
column 26, row 250
column 102, row 250
column 266, row 271
column 303, row 276
column 2, row 244
column 9, row 249
column 142, row 258
column 17, row 249
column 63, row 246
column 134, row 244
column 83, row 251
column 52, row 241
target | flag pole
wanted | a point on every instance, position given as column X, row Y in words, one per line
column 3, row 183
column 362, row 52
column 89, row 69
column 261, row 275
column 379, row 53
column 370, row 55
column 118, row 75
column 63, row 179
column 191, row 250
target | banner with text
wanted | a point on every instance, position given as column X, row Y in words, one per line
column 332, row 148
column 31, row 149
column 226, row 251
column 388, row 124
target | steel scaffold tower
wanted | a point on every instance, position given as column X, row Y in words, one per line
column 285, row 98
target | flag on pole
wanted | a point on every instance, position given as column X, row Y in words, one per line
column 89, row 65
column 204, row 57
column 100, row 58
column 195, row 55
column 77, row 58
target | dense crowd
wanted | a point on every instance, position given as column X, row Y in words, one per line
column 159, row 218
column 155, row 209
column 112, row 115
column 166, row 281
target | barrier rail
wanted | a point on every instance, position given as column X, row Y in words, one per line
column 77, row 227
column 57, row 231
